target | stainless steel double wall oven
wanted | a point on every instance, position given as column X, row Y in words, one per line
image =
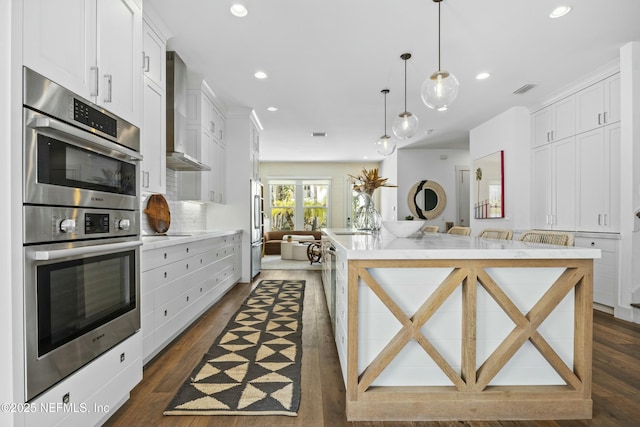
column 81, row 231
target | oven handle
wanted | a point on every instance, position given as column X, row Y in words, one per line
column 63, row 253
column 102, row 145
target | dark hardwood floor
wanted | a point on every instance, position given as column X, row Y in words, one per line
column 616, row 373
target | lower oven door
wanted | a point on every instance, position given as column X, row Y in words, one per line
column 81, row 299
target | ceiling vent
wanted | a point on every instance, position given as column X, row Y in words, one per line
column 319, row 134
column 524, row 89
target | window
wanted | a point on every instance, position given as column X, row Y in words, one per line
column 299, row 204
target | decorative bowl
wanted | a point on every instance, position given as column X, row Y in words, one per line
column 402, row 228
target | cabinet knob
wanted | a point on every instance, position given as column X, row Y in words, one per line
column 165, row 274
column 593, row 243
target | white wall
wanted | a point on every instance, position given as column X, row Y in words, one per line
column 509, row 131
column 388, row 205
column 336, row 171
column 416, row 164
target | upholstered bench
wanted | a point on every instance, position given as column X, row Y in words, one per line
column 273, row 239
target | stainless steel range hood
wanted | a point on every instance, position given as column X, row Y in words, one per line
column 177, row 156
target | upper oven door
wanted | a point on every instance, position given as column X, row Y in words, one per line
column 65, row 165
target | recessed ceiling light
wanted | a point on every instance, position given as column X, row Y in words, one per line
column 483, row 76
column 272, row 108
column 559, row 11
column 239, row 10
column 260, row 75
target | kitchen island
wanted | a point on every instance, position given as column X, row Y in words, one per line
column 443, row 327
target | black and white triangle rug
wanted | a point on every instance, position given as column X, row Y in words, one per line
column 253, row 368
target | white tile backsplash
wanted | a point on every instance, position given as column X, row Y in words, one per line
column 186, row 216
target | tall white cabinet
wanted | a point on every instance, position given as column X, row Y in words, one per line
column 576, row 178
column 96, row 51
column 554, row 185
column 598, row 152
column 242, row 136
column 153, row 132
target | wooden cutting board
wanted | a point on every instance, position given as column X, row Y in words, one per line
column 158, row 213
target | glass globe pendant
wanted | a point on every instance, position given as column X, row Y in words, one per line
column 385, row 145
column 406, row 124
column 441, row 88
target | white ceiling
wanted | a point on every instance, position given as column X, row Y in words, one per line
column 328, row 60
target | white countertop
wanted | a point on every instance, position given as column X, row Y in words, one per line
column 383, row 245
column 155, row 241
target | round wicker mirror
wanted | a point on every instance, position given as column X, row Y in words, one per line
column 426, row 199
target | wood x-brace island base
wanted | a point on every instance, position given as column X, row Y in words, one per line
column 440, row 327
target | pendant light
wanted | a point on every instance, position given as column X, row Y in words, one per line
column 441, row 88
column 386, row 146
column 406, row 124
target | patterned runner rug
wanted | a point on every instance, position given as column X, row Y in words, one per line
column 253, row 368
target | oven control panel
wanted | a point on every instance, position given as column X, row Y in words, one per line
column 55, row 224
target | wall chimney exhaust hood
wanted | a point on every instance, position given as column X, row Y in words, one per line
column 178, row 158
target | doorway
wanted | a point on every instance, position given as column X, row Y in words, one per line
column 463, row 188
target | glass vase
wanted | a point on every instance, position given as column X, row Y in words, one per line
column 366, row 215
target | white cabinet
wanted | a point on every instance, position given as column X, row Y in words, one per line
column 205, row 124
column 93, row 391
column 153, row 139
column 341, row 296
column 598, row 154
column 255, row 154
column 154, row 52
column 179, row 282
column 153, row 132
column 554, row 185
column 554, row 122
column 598, row 105
column 96, row 50
column 605, row 268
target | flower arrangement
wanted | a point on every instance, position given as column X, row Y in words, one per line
column 368, row 181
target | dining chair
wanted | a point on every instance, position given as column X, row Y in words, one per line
column 561, row 238
column 460, row 231
column 431, row 228
column 496, row 233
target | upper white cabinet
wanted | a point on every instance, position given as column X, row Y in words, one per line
column 598, row 105
column 205, row 122
column 598, row 154
column 554, row 122
column 154, row 54
column 255, row 154
column 96, row 51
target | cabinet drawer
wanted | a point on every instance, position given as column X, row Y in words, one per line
column 85, row 385
column 608, row 245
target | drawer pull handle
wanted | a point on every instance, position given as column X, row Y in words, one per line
column 165, row 274
column 165, row 255
column 187, row 298
column 165, row 313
